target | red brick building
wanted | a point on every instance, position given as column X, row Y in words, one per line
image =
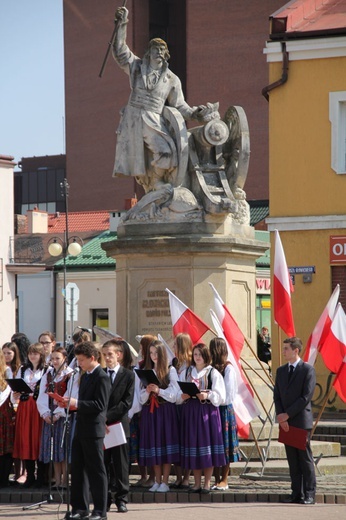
column 216, row 49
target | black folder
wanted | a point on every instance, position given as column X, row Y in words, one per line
column 147, row 377
column 189, row 388
column 19, row 385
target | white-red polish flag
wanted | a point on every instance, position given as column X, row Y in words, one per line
column 282, row 290
column 244, row 404
column 322, row 328
column 184, row 320
column 340, row 381
column 232, row 333
column 334, row 347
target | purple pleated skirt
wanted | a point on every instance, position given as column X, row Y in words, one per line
column 159, row 435
column 201, row 437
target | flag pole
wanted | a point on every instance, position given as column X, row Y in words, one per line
column 249, row 366
column 259, row 361
column 257, row 373
column 279, row 340
column 255, row 391
column 256, row 443
column 324, row 404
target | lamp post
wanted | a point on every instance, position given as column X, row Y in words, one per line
column 69, row 246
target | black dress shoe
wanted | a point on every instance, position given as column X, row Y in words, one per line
column 122, row 508
column 309, row 500
column 29, row 483
column 77, row 515
column 291, row 500
column 97, row 516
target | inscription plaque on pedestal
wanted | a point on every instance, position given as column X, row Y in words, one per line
column 153, row 308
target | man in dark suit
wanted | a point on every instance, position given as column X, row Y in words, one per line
column 120, row 402
column 294, row 387
column 88, row 467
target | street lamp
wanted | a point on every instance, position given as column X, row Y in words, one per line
column 69, row 246
column 56, row 246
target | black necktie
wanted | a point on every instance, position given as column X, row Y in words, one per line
column 110, row 373
column 290, row 372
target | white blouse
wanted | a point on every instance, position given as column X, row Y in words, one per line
column 182, row 369
column 217, row 395
column 169, row 394
column 231, row 385
column 43, row 398
column 136, row 405
column 7, row 391
column 31, row 377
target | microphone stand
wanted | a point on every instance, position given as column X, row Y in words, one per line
column 66, row 437
column 49, row 498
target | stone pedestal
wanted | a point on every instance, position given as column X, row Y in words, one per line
column 148, row 263
column 184, row 259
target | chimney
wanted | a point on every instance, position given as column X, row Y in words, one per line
column 20, row 224
column 37, row 221
column 114, row 219
column 129, row 203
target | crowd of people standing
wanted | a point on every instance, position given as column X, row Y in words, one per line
column 164, row 426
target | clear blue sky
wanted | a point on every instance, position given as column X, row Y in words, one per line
column 32, row 78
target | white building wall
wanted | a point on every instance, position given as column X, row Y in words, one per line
column 35, row 303
column 97, row 290
column 7, row 279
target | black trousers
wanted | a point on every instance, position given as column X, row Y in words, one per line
column 88, row 470
column 117, row 467
column 302, row 471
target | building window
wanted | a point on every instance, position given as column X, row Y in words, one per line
column 339, row 277
column 100, row 318
column 337, row 117
column 263, row 311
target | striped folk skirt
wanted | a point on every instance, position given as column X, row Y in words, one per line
column 52, row 434
column 201, row 436
column 230, row 434
column 159, row 435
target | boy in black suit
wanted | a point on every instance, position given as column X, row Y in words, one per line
column 120, row 402
column 87, row 445
column 294, row 387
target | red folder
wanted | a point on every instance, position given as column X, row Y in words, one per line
column 57, row 397
column 295, row 437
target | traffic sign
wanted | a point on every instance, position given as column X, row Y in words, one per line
column 72, row 297
column 72, row 292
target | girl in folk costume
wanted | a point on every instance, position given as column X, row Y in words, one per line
column 159, row 431
column 219, row 355
column 48, row 342
column 183, row 352
column 200, row 426
column 28, row 421
column 6, row 423
column 182, row 360
column 54, row 380
column 12, row 357
column 147, row 474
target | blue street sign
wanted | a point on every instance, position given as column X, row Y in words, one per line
column 307, row 269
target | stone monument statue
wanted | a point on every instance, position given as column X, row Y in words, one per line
column 186, row 174
column 192, row 224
